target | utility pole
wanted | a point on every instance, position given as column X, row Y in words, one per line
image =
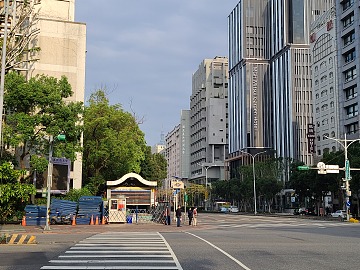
column 49, row 182
column 3, row 64
column 347, row 178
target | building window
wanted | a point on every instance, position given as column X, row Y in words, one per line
column 348, row 20
column 346, row 4
column 317, row 82
column 351, row 92
column 317, row 110
column 316, row 68
column 317, row 96
column 324, row 107
column 318, row 124
column 352, row 128
column 352, row 110
column 350, row 56
column 331, row 75
column 349, row 38
column 331, row 89
column 332, row 134
column 323, row 78
column 332, row 104
column 350, row 74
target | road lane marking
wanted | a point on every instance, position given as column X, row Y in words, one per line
column 222, row 251
column 172, row 253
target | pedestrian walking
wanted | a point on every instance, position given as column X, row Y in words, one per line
column 190, row 216
column 195, row 215
column 167, row 215
column 178, row 216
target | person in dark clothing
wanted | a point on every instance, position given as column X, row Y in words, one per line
column 178, row 216
column 190, row 215
column 167, row 215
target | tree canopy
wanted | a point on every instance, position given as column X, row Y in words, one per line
column 37, row 109
column 113, row 142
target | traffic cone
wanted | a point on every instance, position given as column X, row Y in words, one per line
column 103, row 221
column 73, row 223
column 92, row 220
column 23, row 221
column 97, row 220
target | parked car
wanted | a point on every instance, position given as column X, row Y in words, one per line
column 233, row 209
column 339, row 213
column 223, row 209
column 301, row 211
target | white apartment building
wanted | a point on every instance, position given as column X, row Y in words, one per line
column 209, row 120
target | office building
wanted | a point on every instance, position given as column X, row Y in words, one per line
column 209, row 120
column 348, row 44
column 270, row 95
column 323, row 46
column 62, row 43
column 177, row 151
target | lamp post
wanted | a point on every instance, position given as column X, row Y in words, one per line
column 253, row 168
column 206, row 167
column 347, row 178
column 48, row 183
column 3, row 63
column 60, row 137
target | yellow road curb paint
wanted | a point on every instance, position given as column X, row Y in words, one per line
column 21, row 239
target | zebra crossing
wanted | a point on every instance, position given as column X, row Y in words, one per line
column 118, row 250
column 266, row 222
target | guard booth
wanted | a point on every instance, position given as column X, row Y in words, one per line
column 134, row 195
column 117, row 210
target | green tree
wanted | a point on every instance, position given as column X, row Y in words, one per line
column 113, row 142
column 153, row 167
column 36, row 109
column 13, row 195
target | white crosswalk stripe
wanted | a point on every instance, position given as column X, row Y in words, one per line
column 260, row 222
column 118, row 250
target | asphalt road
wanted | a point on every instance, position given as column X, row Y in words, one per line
column 221, row 241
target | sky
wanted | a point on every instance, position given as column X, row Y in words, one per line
column 143, row 54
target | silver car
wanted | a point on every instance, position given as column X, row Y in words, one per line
column 339, row 213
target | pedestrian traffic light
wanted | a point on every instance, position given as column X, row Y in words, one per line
column 61, row 137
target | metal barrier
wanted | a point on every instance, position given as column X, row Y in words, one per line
column 154, row 215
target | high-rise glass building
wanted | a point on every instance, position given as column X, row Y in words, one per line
column 270, row 96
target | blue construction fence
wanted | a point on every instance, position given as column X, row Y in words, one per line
column 64, row 211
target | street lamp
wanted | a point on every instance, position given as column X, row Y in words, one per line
column 60, row 137
column 347, row 169
column 3, row 64
column 206, row 167
column 253, row 167
column 48, row 183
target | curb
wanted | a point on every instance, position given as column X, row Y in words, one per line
column 20, row 239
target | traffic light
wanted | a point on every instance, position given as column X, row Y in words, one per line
column 61, row 137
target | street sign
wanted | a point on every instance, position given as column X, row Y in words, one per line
column 177, row 184
column 347, row 170
column 322, row 168
column 303, row 168
column 332, row 168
